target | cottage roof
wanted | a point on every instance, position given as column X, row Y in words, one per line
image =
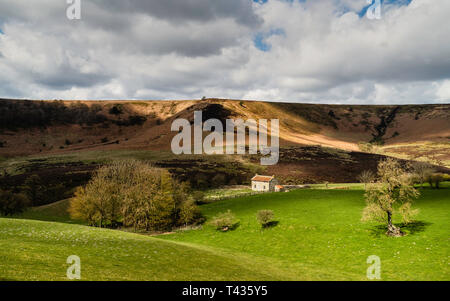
column 260, row 178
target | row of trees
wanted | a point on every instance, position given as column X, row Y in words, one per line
column 26, row 113
column 134, row 194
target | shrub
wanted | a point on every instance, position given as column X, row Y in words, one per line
column 265, row 217
column 12, row 203
column 116, row 109
column 435, row 179
column 132, row 120
column 218, row 180
column 189, row 213
column 136, row 119
column 224, row 221
column 198, row 197
column 365, row 147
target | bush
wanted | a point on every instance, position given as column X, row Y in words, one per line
column 189, row 213
column 365, row 147
column 132, row 120
column 218, row 180
column 198, row 197
column 265, row 217
column 12, row 203
column 116, row 109
column 224, row 221
column 435, row 179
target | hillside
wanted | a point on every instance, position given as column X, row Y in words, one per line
column 35, row 250
column 62, row 142
column 59, row 127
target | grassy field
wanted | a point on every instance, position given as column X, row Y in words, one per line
column 319, row 236
column 54, row 212
column 36, row 250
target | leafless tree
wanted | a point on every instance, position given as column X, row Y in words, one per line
column 365, row 177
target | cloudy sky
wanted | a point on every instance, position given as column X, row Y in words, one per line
column 325, row 51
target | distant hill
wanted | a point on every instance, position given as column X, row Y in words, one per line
column 49, row 127
column 58, row 144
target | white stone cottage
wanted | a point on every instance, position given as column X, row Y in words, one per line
column 264, row 183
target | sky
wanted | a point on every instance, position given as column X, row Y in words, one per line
column 315, row 51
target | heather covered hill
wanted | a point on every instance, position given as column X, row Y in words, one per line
column 51, row 127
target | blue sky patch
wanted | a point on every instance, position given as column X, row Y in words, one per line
column 260, row 39
column 363, row 12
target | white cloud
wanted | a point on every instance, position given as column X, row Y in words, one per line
column 443, row 91
column 155, row 50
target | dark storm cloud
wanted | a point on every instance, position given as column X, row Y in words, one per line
column 187, row 10
column 66, row 78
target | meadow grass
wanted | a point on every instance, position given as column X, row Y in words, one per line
column 320, row 236
column 36, row 250
column 54, row 212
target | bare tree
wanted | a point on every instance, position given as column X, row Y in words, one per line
column 422, row 170
column 365, row 177
column 392, row 193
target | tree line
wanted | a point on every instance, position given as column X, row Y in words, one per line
column 27, row 113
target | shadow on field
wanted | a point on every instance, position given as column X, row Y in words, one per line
column 271, row 224
column 410, row 228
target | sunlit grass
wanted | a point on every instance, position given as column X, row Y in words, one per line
column 322, row 229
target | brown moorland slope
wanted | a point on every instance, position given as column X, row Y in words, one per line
column 31, row 127
column 63, row 142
